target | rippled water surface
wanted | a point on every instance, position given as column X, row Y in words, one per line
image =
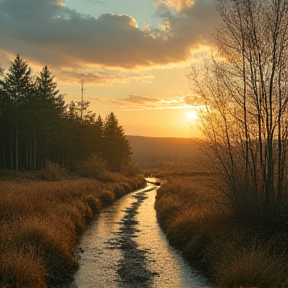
column 99, row 261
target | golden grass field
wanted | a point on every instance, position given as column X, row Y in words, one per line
column 40, row 222
column 197, row 219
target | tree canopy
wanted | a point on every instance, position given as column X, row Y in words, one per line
column 36, row 126
column 117, row 147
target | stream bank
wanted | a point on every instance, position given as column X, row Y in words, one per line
column 126, row 248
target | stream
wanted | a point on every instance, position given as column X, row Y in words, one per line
column 126, row 248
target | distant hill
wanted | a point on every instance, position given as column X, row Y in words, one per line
column 154, row 152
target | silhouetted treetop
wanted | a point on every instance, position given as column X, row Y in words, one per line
column 37, row 127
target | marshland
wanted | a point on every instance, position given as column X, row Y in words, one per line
column 41, row 222
column 219, row 211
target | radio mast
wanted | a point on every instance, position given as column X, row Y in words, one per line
column 81, row 105
column 82, row 102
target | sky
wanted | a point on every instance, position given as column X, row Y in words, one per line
column 133, row 56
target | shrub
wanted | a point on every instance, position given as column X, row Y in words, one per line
column 138, row 183
column 119, row 190
column 94, row 167
column 107, row 198
column 54, row 172
column 111, row 177
column 94, row 203
column 127, row 187
column 130, row 169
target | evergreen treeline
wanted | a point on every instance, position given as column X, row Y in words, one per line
column 36, row 126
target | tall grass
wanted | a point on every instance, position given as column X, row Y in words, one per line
column 198, row 219
column 40, row 222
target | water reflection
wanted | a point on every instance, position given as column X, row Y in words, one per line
column 173, row 270
column 102, row 259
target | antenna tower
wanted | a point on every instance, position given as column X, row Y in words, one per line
column 82, row 102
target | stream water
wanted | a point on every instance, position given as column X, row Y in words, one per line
column 126, row 248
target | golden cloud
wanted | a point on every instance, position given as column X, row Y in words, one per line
column 178, row 4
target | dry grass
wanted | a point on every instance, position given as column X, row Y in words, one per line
column 197, row 220
column 40, row 222
column 254, row 263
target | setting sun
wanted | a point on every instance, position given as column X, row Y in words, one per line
column 192, row 115
column 148, row 80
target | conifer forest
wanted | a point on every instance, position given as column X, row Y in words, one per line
column 37, row 126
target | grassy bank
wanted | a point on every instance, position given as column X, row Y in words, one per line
column 197, row 220
column 40, row 222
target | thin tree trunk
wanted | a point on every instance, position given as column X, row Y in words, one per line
column 16, row 144
column 11, row 152
column 35, row 150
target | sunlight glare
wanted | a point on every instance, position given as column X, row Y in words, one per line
column 192, row 115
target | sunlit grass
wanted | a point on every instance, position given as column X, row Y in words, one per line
column 40, row 222
column 197, row 220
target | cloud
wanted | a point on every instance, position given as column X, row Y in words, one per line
column 141, row 99
column 138, row 102
column 48, row 32
column 193, row 100
column 194, row 23
column 103, row 76
column 178, row 4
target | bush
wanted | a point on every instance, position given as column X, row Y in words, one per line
column 54, row 172
column 107, row 198
column 119, row 190
column 94, row 167
column 130, row 169
column 127, row 187
column 94, row 203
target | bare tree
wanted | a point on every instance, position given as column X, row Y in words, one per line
column 245, row 89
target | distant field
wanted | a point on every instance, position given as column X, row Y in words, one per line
column 153, row 152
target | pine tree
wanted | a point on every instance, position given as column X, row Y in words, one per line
column 47, row 90
column 98, row 135
column 17, row 82
column 49, row 107
column 117, row 149
column 4, row 129
column 16, row 89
